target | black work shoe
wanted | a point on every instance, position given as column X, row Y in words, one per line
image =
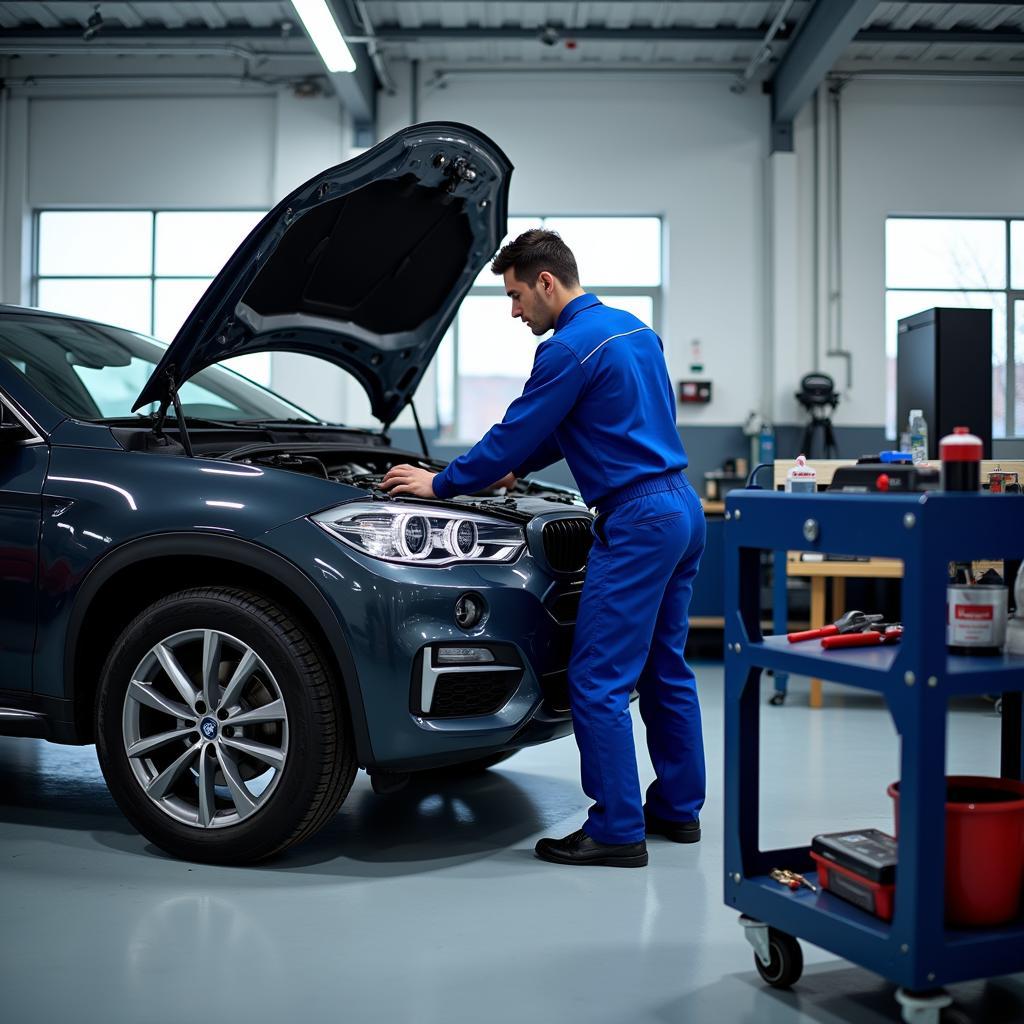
column 677, row 831
column 579, row 848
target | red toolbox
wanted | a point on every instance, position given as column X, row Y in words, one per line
column 859, row 867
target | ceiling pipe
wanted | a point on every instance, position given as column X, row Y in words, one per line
column 373, row 48
column 764, row 52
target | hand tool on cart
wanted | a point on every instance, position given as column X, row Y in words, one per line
column 791, row 879
column 880, row 633
column 851, row 622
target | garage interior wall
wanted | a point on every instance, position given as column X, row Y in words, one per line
column 740, row 224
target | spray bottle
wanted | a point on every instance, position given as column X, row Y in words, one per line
column 801, row 478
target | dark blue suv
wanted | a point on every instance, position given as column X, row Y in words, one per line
column 208, row 583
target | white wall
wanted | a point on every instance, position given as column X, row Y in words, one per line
column 910, row 147
column 740, row 225
column 686, row 149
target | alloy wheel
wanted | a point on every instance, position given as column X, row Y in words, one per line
column 205, row 728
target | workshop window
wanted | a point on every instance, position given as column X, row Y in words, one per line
column 139, row 269
column 977, row 263
column 486, row 358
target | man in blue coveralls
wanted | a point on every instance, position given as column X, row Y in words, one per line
column 599, row 396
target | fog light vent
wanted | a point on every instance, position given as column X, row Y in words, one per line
column 457, row 682
column 469, row 611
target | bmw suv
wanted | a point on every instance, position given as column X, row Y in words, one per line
column 208, row 583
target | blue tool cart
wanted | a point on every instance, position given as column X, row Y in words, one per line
column 917, row 678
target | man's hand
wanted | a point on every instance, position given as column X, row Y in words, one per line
column 406, row 479
column 508, row 481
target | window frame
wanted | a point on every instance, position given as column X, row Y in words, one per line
column 449, row 435
column 11, row 408
column 1013, row 430
column 152, row 277
column 655, row 293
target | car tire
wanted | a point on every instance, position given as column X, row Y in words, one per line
column 198, row 786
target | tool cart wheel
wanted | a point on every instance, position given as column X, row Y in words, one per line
column 787, row 960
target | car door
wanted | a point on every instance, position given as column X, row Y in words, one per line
column 23, row 460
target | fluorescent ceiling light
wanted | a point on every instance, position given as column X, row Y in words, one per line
column 321, row 27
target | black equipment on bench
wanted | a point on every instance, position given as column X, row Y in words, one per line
column 819, row 397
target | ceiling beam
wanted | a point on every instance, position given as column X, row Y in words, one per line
column 395, row 35
column 827, row 29
column 110, row 34
column 986, row 37
column 357, row 89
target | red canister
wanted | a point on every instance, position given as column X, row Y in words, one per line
column 960, row 453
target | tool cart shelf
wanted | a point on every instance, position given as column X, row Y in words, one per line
column 917, row 678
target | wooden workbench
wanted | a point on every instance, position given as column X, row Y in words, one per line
column 826, row 469
column 838, row 573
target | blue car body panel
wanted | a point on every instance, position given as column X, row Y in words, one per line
column 21, row 484
column 86, row 506
column 90, row 510
column 98, row 499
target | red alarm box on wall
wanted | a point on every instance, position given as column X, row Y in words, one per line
column 694, row 392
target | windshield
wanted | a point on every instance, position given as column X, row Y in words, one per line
column 95, row 372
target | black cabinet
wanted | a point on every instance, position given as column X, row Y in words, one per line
column 944, row 368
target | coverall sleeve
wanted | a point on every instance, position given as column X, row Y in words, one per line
column 546, row 453
column 550, row 393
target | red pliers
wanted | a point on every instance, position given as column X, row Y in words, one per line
column 881, row 633
column 852, row 622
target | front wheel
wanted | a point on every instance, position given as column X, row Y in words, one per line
column 220, row 732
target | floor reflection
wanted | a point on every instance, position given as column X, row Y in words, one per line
column 55, row 786
column 437, row 817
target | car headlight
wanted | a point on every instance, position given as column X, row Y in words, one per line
column 427, row 536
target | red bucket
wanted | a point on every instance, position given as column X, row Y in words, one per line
column 984, row 848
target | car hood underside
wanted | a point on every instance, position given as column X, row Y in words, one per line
column 365, row 266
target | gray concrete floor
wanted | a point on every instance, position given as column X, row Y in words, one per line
column 428, row 906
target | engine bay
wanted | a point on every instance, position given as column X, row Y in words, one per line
column 365, row 468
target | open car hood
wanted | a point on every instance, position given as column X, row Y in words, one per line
column 365, row 266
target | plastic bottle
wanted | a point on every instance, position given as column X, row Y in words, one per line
column 801, row 478
column 918, row 436
column 766, row 444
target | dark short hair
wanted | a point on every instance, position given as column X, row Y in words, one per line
column 534, row 251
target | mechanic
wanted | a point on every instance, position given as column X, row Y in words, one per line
column 599, row 396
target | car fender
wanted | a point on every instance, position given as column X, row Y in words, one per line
column 247, row 554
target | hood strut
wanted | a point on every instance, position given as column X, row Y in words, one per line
column 419, row 429
column 172, row 398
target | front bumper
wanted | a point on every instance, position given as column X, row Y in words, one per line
column 395, row 617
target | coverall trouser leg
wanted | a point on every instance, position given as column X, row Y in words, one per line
column 630, row 633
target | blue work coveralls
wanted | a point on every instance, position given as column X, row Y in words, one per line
column 600, row 397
